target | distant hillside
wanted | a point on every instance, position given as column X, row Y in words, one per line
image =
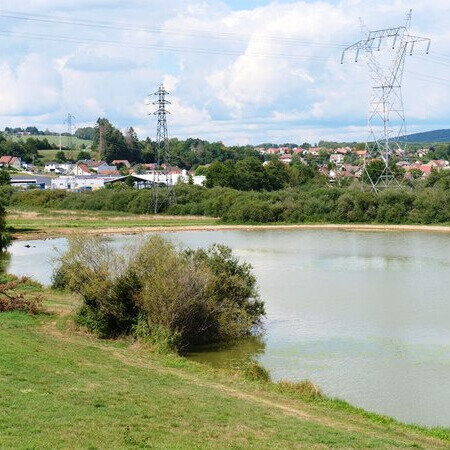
column 429, row 136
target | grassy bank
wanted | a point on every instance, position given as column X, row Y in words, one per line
column 41, row 223
column 63, row 388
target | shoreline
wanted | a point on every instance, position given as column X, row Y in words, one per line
column 65, row 232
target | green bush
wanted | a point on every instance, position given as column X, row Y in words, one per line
column 309, row 203
column 171, row 298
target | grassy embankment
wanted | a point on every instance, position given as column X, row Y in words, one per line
column 45, row 223
column 34, row 224
column 64, row 388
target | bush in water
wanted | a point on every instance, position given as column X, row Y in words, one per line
column 172, row 298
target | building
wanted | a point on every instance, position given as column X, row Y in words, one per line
column 11, row 161
column 79, row 183
column 121, row 163
column 81, row 169
column 61, row 168
column 337, row 158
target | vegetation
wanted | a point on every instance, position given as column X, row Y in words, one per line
column 5, row 192
column 65, row 389
column 174, row 299
column 429, row 204
column 15, row 295
column 26, row 149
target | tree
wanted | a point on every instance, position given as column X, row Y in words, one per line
column 83, row 155
column 60, row 157
column 277, row 175
column 5, row 238
column 110, row 142
column 86, row 133
column 250, row 175
column 5, row 177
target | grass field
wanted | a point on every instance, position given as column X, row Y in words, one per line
column 46, row 223
column 62, row 388
column 77, row 143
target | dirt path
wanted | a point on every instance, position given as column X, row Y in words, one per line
column 291, row 407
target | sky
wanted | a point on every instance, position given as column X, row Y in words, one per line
column 238, row 71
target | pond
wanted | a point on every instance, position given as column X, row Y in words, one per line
column 364, row 315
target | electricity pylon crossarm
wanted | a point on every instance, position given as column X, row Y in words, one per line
column 386, row 118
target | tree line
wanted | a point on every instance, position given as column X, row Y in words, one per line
column 307, row 203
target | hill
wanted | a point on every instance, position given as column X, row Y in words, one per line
column 65, row 389
column 429, row 136
column 54, row 140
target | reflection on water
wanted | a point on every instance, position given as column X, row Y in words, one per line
column 364, row 315
column 231, row 355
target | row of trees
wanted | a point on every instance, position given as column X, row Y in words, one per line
column 428, row 203
column 114, row 144
column 26, row 149
column 250, row 174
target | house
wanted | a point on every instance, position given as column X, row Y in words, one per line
column 81, row 168
column 286, row 159
column 337, row 158
column 11, row 161
column 121, row 163
column 106, row 169
column 314, row 151
column 298, row 151
column 343, row 150
column 361, row 153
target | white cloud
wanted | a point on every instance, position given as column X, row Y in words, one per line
column 250, row 75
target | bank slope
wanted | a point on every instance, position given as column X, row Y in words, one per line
column 64, row 388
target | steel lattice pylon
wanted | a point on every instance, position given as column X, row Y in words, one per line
column 386, row 119
column 162, row 189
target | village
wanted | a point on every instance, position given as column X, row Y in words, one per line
column 89, row 174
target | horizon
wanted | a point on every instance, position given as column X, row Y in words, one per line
column 271, row 73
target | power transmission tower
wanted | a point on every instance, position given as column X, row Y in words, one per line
column 386, row 119
column 162, row 190
column 70, row 119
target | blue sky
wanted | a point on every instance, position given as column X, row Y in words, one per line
column 238, row 71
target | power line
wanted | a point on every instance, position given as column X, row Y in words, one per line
column 59, row 38
column 135, row 27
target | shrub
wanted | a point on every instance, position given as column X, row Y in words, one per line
column 171, row 298
column 305, row 389
column 13, row 297
column 253, row 371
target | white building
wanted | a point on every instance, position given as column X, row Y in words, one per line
column 80, row 182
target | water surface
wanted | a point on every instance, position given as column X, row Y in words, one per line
column 365, row 315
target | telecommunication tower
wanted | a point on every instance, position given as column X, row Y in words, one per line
column 162, row 190
column 385, row 51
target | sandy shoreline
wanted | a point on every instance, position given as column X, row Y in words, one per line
column 64, row 232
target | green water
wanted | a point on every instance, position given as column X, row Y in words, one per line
column 366, row 316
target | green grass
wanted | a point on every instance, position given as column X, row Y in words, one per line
column 50, row 222
column 63, row 388
column 77, row 143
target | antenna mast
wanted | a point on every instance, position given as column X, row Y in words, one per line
column 386, row 119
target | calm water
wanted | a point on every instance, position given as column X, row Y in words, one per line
column 366, row 316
